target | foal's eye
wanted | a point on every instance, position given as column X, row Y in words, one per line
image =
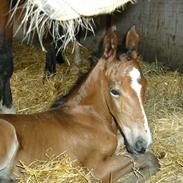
column 115, row 92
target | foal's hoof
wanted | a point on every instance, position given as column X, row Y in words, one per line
column 48, row 75
column 146, row 166
column 150, row 167
column 148, row 161
column 152, row 163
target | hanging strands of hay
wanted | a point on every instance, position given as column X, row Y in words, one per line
column 42, row 16
column 36, row 21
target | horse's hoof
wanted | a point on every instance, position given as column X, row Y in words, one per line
column 7, row 110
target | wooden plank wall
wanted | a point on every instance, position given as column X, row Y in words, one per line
column 160, row 24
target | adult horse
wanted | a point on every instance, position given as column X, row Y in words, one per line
column 110, row 99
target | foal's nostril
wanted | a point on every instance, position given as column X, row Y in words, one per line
column 140, row 145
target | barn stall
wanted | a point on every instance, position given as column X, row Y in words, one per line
column 164, row 98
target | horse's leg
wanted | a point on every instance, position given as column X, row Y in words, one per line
column 77, row 52
column 8, row 150
column 50, row 65
column 77, row 55
column 6, row 71
column 59, row 53
column 53, row 56
column 7, row 107
column 115, row 167
column 6, row 62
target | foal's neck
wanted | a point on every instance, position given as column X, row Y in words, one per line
column 92, row 92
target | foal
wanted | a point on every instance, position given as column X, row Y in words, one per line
column 85, row 126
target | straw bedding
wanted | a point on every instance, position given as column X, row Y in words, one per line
column 56, row 169
column 164, row 107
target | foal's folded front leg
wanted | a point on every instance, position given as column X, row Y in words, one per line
column 146, row 165
column 114, row 167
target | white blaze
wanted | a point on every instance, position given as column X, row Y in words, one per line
column 136, row 86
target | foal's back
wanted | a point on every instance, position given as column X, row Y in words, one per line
column 36, row 134
column 54, row 132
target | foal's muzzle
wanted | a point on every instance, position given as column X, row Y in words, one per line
column 140, row 146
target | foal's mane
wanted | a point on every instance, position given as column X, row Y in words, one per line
column 82, row 78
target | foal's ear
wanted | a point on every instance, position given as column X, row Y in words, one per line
column 132, row 42
column 110, row 43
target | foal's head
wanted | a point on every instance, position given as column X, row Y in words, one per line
column 126, row 90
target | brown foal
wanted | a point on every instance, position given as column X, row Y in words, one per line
column 86, row 125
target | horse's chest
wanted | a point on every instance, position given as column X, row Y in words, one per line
column 106, row 142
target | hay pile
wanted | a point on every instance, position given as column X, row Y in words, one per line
column 164, row 107
column 56, row 169
column 30, row 93
column 164, row 103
